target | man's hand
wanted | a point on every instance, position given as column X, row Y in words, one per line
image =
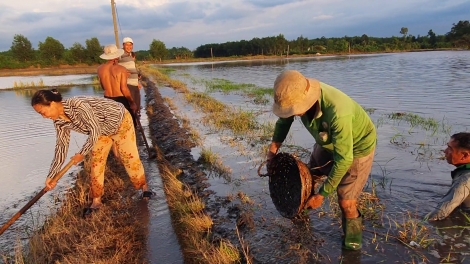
column 50, row 184
column 133, row 107
column 314, row 201
column 272, row 150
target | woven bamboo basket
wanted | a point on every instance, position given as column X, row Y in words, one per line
column 290, row 184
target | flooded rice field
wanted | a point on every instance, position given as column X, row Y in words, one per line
column 416, row 100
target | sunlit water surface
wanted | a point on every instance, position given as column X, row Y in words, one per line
column 408, row 173
column 430, row 84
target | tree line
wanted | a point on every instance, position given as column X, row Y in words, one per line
column 52, row 52
column 457, row 37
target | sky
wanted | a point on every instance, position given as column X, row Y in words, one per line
column 192, row 23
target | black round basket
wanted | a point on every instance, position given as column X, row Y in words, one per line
column 290, row 184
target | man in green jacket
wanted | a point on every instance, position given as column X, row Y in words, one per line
column 345, row 140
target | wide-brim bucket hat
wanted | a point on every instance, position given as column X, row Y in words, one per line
column 111, row 52
column 294, row 94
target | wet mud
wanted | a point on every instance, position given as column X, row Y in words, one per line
column 262, row 235
column 266, row 236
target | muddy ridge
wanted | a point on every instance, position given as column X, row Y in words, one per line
column 173, row 140
column 231, row 217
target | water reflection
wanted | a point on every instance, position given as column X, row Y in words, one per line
column 47, row 80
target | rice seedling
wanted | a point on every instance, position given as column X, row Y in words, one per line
column 206, row 103
column 411, row 230
column 226, row 85
column 95, row 80
column 166, row 70
column 368, row 204
column 245, row 248
column 249, row 89
column 244, row 198
column 213, row 163
column 32, row 84
column 415, row 120
column 170, row 103
column 229, row 252
column 384, row 179
column 163, row 78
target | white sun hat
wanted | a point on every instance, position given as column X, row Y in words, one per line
column 111, row 52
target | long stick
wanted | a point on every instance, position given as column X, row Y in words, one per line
column 36, row 198
column 139, row 127
column 113, row 11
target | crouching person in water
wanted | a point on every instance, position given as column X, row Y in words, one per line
column 457, row 153
column 105, row 122
column 344, row 134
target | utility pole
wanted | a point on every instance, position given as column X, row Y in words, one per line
column 116, row 36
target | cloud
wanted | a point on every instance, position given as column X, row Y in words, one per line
column 31, row 17
column 191, row 23
column 269, row 3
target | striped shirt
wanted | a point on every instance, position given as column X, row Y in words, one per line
column 93, row 116
column 128, row 61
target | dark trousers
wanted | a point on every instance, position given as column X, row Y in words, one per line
column 135, row 93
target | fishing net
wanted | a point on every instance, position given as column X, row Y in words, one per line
column 290, row 184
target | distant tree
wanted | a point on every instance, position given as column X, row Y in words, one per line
column 51, row 50
column 21, row 48
column 281, row 44
column 158, row 49
column 179, row 53
column 365, row 40
column 142, row 55
column 460, row 34
column 78, row 52
column 432, row 39
column 404, row 32
column 93, row 50
column 300, row 44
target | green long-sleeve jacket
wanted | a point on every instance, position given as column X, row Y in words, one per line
column 342, row 126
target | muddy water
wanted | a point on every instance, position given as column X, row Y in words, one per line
column 408, row 175
column 26, row 150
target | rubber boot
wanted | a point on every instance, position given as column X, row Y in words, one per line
column 352, row 228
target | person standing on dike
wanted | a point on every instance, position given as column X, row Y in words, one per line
column 106, row 122
column 128, row 61
column 113, row 79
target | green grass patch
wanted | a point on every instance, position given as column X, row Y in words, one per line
column 251, row 90
column 417, row 121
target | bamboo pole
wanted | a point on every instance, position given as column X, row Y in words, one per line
column 116, row 34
